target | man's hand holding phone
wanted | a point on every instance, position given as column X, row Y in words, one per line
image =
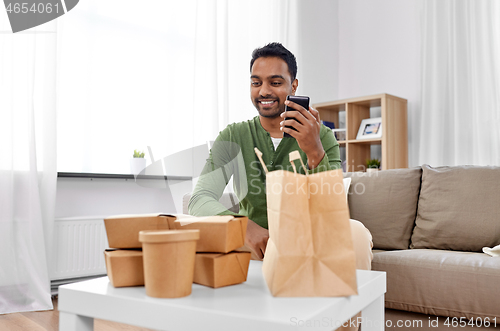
column 304, row 125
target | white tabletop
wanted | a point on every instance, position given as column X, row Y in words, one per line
column 248, row 305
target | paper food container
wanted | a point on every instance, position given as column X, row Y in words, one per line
column 123, row 230
column 169, row 262
column 218, row 234
column 217, row 270
column 124, row 267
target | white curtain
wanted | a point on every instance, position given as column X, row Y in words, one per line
column 460, row 116
column 27, row 165
column 226, row 34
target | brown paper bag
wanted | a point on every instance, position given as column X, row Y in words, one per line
column 310, row 250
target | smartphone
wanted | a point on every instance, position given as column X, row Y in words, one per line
column 300, row 100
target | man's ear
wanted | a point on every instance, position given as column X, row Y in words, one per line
column 295, row 84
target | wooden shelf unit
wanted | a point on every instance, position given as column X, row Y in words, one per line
column 394, row 141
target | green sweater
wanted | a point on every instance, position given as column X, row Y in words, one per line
column 233, row 155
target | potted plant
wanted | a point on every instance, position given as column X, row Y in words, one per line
column 137, row 162
column 372, row 165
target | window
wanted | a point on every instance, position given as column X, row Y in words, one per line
column 125, row 82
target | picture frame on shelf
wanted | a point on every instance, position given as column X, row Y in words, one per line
column 340, row 134
column 370, row 128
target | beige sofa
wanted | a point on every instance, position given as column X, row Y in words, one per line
column 429, row 226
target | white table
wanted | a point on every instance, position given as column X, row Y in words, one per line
column 246, row 306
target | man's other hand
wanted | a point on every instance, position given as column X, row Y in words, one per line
column 256, row 239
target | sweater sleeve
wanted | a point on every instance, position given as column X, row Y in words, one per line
column 213, row 179
column 331, row 160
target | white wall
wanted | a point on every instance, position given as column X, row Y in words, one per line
column 318, row 70
column 77, row 197
column 105, row 197
column 379, row 53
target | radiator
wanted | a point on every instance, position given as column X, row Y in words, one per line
column 79, row 244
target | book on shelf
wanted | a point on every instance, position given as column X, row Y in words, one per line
column 330, row 125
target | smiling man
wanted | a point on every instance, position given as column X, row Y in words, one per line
column 272, row 79
column 273, row 71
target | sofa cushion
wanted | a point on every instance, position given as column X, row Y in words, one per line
column 386, row 202
column 443, row 283
column 458, row 208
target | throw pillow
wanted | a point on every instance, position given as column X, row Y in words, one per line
column 458, row 208
column 386, row 202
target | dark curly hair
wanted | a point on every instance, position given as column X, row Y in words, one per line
column 276, row 50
